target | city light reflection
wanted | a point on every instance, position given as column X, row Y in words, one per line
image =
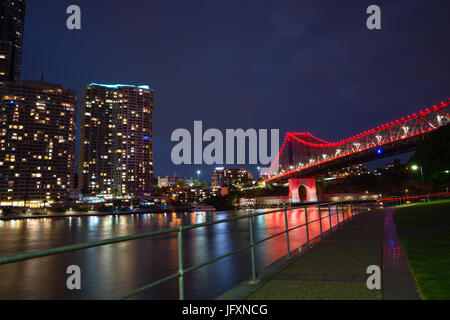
column 141, row 257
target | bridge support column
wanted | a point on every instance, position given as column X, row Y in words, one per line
column 308, row 184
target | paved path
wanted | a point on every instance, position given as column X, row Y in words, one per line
column 398, row 283
column 337, row 267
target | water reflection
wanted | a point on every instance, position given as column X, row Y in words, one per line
column 113, row 270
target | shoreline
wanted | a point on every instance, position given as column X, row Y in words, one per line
column 91, row 214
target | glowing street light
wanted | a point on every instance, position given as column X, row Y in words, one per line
column 198, row 175
column 416, row 167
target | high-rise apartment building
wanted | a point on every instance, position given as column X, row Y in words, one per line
column 12, row 19
column 37, row 143
column 116, row 154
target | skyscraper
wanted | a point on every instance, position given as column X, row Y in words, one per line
column 116, row 154
column 37, row 143
column 12, row 19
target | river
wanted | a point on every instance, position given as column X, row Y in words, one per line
column 113, row 270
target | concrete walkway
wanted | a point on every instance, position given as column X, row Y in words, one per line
column 336, row 268
column 398, row 283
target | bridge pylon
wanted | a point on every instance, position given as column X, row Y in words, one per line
column 310, row 186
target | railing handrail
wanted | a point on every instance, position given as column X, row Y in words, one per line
column 99, row 243
column 180, row 229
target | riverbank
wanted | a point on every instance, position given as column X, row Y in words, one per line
column 91, row 214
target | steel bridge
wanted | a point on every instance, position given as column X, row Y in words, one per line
column 304, row 155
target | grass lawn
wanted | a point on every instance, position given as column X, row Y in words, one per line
column 435, row 213
column 429, row 260
column 428, row 256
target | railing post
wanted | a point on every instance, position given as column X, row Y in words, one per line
column 287, row 234
column 180, row 263
column 252, row 249
column 329, row 216
column 351, row 209
column 345, row 210
column 337, row 212
column 320, row 221
column 307, row 227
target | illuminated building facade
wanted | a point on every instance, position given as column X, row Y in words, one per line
column 116, row 154
column 355, row 170
column 37, row 144
column 164, row 182
column 12, row 16
column 190, row 195
column 230, row 177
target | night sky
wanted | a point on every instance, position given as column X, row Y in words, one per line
column 289, row 65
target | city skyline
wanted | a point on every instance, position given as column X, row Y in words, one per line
column 324, row 65
column 131, row 92
column 245, row 82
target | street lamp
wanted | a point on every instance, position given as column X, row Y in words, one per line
column 198, row 175
column 416, row 167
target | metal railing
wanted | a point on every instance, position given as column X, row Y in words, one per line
column 350, row 208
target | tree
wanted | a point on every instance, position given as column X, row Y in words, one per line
column 433, row 154
column 198, row 184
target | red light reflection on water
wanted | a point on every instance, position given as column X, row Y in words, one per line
column 112, row 270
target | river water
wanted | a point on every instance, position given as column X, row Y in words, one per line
column 111, row 271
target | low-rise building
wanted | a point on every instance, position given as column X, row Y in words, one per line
column 355, row 170
column 265, row 202
column 188, row 196
column 164, row 182
column 230, row 177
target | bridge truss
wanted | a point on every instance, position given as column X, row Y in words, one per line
column 304, row 155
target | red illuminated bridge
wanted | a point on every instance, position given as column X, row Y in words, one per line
column 304, row 155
